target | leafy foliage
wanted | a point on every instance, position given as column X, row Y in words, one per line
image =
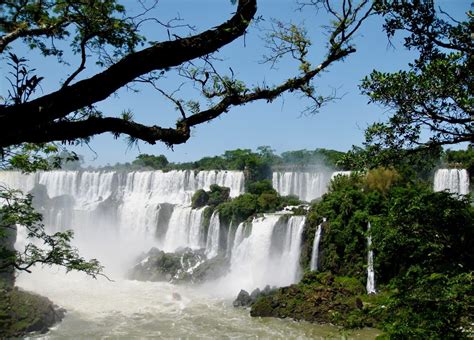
column 435, row 94
column 55, row 249
column 421, row 243
column 460, row 159
column 145, row 161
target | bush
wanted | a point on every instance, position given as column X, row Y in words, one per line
column 258, row 188
column 218, row 195
column 381, row 179
column 199, row 199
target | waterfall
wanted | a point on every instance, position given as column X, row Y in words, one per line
column 239, row 237
column 455, row 181
column 212, row 244
column 140, row 208
column 306, row 185
column 255, row 264
column 370, row 264
column 117, row 215
column 292, row 248
column 315, row 252
column 230, row 240
column 184, row 229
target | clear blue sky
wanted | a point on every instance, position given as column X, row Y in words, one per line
column 338, row 125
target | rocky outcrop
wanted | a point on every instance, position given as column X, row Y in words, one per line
column 244, row 299
column 319, row 298
column 183, row 266
column 23, row 312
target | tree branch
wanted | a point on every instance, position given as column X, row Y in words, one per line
column 81, row 66
column 63, row 130
column 160, row 56
column 22, row 32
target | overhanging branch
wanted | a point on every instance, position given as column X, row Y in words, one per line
column 160, row 56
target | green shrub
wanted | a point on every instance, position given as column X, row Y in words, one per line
column 199, row 199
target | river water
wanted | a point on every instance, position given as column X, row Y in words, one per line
column 132, row 309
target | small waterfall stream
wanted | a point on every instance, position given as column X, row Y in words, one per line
column 315, row 251
column 212, row 244
column 370, row 264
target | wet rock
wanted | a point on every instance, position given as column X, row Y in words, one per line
column 358, row 303
column 243, row 299
column 23, row 312
column 320, row 298
column 183, row 266
column 156, row 265
column 255, row 295
column 211, row 269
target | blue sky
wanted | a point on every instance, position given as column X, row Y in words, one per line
column 338, row 125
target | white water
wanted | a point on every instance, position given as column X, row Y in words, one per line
column 184, row 229
column 212, row 244
column 315, row 251
column 254, row 264
column 99, row 309
column 370, row 264
column 455, row 181
column 306, row 185
column 292, row 249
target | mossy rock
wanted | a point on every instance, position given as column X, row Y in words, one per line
column 183, row 266
column 23, row 312
column 320, row 298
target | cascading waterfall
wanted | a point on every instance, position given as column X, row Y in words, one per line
column 255, row 264
column 306, row 185
column 315, row 251
column 184, row 229
column 138, row 210
column 141, row 209
column 212, row 244
column 370, row 264
column 239, row 237
column 455, row 181
column 292, row 248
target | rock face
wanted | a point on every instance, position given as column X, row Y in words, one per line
column 23, row 312
column 317, row 298
column 244, row 299
column 184, row 266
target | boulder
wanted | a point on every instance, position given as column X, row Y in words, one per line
column 183, row 266
column 23, row 312
column 243, row 299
